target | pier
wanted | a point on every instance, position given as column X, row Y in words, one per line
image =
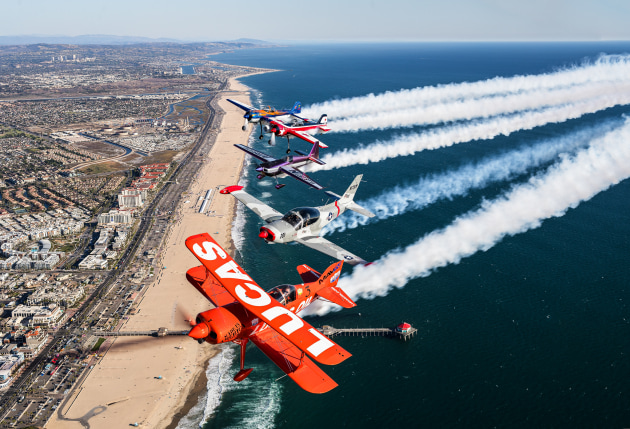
column 162, row 332
column 402, row 331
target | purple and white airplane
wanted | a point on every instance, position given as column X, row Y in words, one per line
column 287, row 166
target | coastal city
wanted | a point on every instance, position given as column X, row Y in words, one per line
column 100, row 145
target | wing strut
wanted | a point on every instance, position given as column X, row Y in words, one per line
column 243, row 373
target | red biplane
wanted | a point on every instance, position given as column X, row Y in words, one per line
column 246, row 312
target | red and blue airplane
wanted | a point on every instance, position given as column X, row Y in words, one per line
column 254, row 116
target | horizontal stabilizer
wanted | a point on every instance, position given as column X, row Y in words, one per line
column 333, row 195
column 361, row 210
column 316, row 160
column 337, row 295
column 308, row 274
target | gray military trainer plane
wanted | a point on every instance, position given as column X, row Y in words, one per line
column 304, row 224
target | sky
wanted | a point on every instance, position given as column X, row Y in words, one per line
column 323, row 20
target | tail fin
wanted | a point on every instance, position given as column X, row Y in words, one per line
column 348, row 197
column 328, row 289
column 297, row 107
column 314, row 154
column 323, row 120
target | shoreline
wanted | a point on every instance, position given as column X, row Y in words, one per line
column 123, row 383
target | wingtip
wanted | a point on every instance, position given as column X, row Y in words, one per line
column 230, row 189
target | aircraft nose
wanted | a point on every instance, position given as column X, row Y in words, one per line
column 266, row 234
column 199, row 331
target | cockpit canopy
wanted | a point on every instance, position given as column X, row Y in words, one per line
column 284, row 294
column 301, row 217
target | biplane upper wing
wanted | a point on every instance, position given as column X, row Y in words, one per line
column 209, row 287
column 255, row 153
column 255, row 300
column 331, row 249
column 292, row 361
column 243, row 106
column 261, row 209
column 302, row 177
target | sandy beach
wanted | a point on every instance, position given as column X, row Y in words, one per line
column 149, row 381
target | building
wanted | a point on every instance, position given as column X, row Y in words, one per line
column 119, row 239
column 59, row 295
column 36, row 315
column 9, row 263
column 48, row 263
column 103, row 241
column 130, row 200
column 93, row 262
column 116, row 216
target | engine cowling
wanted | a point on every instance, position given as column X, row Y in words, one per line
column 216, row 326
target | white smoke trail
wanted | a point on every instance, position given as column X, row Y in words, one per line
column 479, row 108
column 459, row 182
column 573, row 180
column 475, row 130
column 605, row 69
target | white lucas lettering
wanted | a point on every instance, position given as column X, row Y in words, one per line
column 291, row 326
column 230, row 270
column 208, row 251
column 320, row 346
column 262, row 299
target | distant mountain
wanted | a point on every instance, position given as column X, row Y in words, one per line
column 89, row 39
column 253, row 41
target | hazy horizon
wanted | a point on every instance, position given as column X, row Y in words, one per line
column 326, row 20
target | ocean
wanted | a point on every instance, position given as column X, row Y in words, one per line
column 498, row 175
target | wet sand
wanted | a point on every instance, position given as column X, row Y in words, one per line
column 149, row 381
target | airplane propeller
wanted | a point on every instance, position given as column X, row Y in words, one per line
column 183, row 313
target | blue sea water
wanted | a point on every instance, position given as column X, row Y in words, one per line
column 532, row 332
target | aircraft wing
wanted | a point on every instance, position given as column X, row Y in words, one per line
column 322, row 245
column 302, row 177
column 209, row 287
column 255, row 153
column 307, row 137
column 243, row 106
column 292, row 361
column 261, row 209
column 256, row 301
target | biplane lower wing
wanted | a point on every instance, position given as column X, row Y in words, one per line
column 209, row 287
column 293, row 362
